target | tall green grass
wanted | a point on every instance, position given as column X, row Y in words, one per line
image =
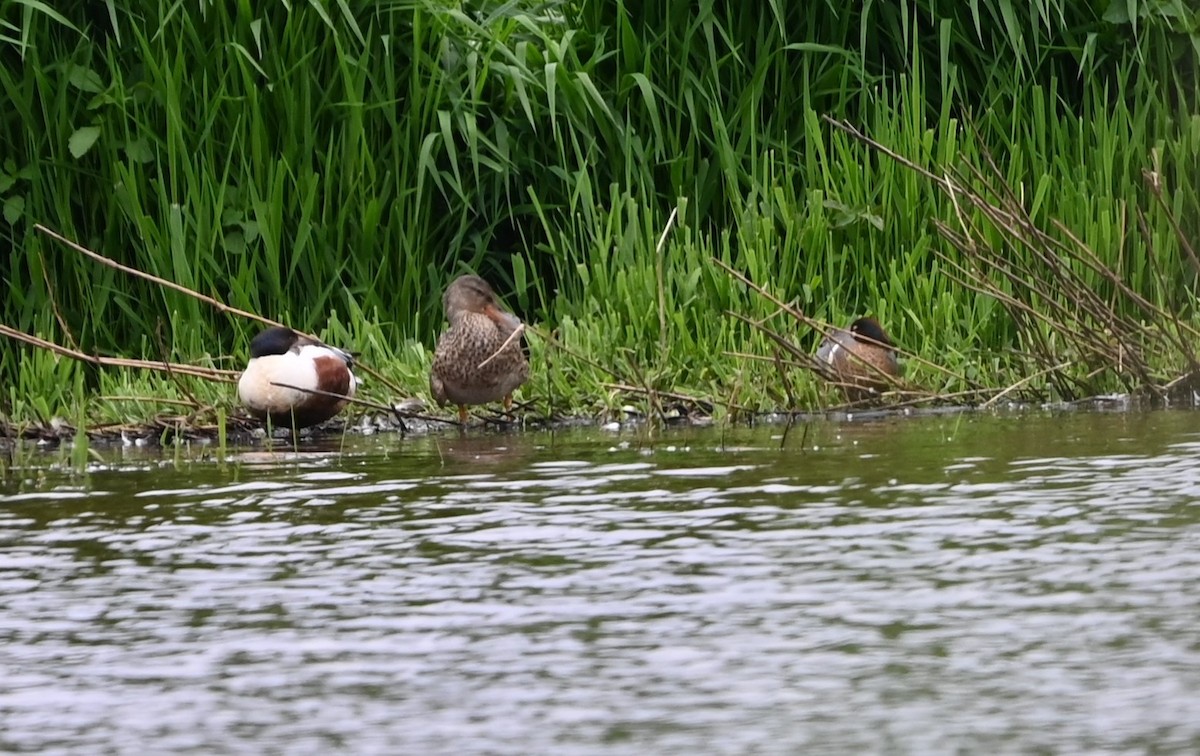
column 335, row 163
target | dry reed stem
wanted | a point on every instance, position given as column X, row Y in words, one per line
column 1122, row 333
column 1153, row 181
column 821, row 327
column 196, row 371
column 395, row 411
column 162, row 349
column 215, row 303
column 652, row 394
column 783, row 377
column 520, row 329
column 190, row 403
column 1023, row 382
column 550, row 340
column 764, row 358
column 1180, row 327
column 679, row 397
column 812, row 363
column 1046, row 273
column 109, row 262
column 849, row 129
column 660, row 272
column 62, row 322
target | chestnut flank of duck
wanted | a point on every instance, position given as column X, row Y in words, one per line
column 861, row 359
column 284, row 368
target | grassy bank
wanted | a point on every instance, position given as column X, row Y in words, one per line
column 333, row 165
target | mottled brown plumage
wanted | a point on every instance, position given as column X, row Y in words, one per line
column 861, row 359
column 478, row 327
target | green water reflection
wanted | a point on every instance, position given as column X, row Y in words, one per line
column 931, row 584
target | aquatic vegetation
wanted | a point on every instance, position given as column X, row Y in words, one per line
column 329, row 170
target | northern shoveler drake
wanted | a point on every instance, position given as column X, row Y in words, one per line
column 862, row 359
column 478, row 328
column 284, row 367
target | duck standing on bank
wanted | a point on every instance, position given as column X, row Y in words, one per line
column 862, row 359
column 284, row 368
column 469, row 366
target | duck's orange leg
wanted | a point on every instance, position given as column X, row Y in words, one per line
column 462, row 414
column 508, row 407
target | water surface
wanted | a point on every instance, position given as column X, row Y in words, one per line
column 912, row 585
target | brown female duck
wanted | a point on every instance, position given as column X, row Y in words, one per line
column 862, row 359
column 478, row 328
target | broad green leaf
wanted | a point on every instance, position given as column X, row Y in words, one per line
column 138, row 150
column 85, row 80
column 82, row 140
column 14, row 208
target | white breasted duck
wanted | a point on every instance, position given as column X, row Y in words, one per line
column 282, row 356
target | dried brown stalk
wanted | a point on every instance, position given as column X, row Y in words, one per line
column 215, row 303
column 514, row 335
column 1039, row 278
column 196, row 371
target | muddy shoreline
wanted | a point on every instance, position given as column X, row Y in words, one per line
column 243, row 431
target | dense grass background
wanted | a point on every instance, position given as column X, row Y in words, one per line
column 334, row 163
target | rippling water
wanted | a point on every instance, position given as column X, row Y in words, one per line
column 983, row 584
